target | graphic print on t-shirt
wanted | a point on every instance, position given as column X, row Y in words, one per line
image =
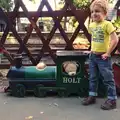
column 98, row 34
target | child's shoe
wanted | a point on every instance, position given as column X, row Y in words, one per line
column 109, row 104
column 89, row 100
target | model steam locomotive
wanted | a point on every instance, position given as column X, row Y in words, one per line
column 69, row 76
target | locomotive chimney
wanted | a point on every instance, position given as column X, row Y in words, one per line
column 18, row 60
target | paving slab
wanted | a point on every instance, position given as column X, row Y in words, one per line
column 53, row 108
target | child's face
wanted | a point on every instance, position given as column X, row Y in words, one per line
column 97, row 14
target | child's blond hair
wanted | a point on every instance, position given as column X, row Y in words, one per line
column 101, row 3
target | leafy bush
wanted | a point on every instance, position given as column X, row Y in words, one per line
column 116, row 23
column 83, row 4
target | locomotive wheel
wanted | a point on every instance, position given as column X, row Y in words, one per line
column 19, row 90
column 38, row 92
column 63, row 93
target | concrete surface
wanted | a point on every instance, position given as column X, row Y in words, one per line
column 53, row 108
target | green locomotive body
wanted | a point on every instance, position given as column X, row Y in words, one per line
column 68, row 77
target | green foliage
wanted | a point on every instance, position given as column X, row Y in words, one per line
column 110, row 1
column 62, row 2
column 32, row 1
column 116, row 23
column 83, row 4
column 6, row 5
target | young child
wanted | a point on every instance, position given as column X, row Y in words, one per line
column 104, row 40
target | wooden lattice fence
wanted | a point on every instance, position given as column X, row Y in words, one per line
column 68, row 10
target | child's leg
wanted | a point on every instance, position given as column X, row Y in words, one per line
column 93, row 70
column 93, row 79
column 105, row 68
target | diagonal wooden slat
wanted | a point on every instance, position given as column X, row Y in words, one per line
column 59, row 18
column 81, row 17
column 56, row 21
column 32, row 22
column 4, row 18
column 22, row 45
column 34, row 26
column 15, row 10
column 47, row 47
column 4, row 36
column 27, row 36
column 57, row 25
column 12, row 28
column 70, row 44
column 17, row 6
column 6, row 53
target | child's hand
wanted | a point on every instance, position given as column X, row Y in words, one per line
column 105, row 56
column 87, row 52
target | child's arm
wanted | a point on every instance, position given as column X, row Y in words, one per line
column 113, row 44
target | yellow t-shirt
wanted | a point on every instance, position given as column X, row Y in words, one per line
column 100, row 35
